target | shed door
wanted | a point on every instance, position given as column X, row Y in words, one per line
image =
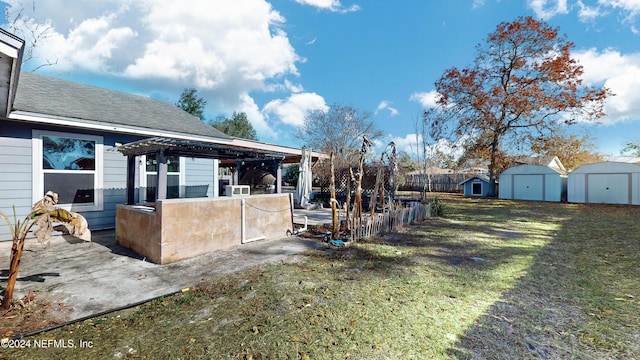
column 476, row 188
column 608, row 188
column 528, row 187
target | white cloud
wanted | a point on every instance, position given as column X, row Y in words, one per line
column 477, row 4
column 331, row 5
column 226, row 51
column 546, row 9
column 412, row 145
column 408, row 143
column 293, row 110
column 254, row 115
column 629, row 9
column 618, row 72
column 631, row 6
column 294, row 88
column 588, row 13
column 426, row 99
column 386, row 105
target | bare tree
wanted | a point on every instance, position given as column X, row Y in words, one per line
column 632, row 148
column 32, row 33
column 339, row 130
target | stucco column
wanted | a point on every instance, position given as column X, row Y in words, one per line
column 161, row 179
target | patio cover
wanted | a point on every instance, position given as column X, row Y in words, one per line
column 162, row 148
column 198, row 149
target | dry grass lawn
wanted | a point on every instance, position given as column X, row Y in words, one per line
column 490, row 279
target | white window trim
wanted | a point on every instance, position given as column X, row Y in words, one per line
column 481, row 188
column 143, row 176
column 38, row 173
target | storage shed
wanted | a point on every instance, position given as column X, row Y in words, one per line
column 606, row 182
column 532, row 182
column 476, row 186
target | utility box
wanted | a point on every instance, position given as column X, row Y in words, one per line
column 236, row 190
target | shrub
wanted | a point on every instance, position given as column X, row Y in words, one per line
column 437, row 206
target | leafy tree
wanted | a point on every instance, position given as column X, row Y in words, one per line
column 340, row 129
column 447, row 159
column 632, row 148
column 192, row 103
column 573, row 150
column 522, row 85
column 405, row 163
column 238, row 125
column 291, row 176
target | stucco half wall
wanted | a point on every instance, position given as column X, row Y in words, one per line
column 176, row 229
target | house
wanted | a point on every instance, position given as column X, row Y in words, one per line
column 607, row 182
column 532, row 182
column 477, row 185
column 68, row 137
column 550, row 161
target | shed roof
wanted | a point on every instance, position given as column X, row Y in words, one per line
column 479, row 177
column 85, row 104
column 607, row 167
column 551, row 161
column 530, row 170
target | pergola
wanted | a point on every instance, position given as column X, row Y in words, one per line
column 162, row 148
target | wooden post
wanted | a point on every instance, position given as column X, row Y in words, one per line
column 131, row 179
column 333, row 201
column 357, row 203
column 382, row 203
column 374, row 193
column 348, row 199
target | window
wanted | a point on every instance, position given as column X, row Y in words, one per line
column 175, row 176
column 476, row 188
column 70, row 165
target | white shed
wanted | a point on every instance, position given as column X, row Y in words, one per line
column 532, row 182
column 606, row 182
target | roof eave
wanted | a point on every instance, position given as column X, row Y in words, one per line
column 13, row 47
column 93, row 125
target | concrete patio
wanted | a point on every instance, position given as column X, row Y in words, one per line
column 89, row 278
column 315, row 217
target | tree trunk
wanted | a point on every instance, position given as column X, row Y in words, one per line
column 16, row 254
column 492, row 168
column 332, row 190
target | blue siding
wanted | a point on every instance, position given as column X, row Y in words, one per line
column 16, row 180
column 114, row 180
column 199, row 177
column 468, row 187
column 15, row 185
column 16, row 188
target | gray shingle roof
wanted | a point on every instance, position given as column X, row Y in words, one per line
column 90, row 104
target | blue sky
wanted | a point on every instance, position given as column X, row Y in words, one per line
column 276, row 60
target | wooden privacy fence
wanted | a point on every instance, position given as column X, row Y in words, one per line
column 367, row 226
column 439, row 182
